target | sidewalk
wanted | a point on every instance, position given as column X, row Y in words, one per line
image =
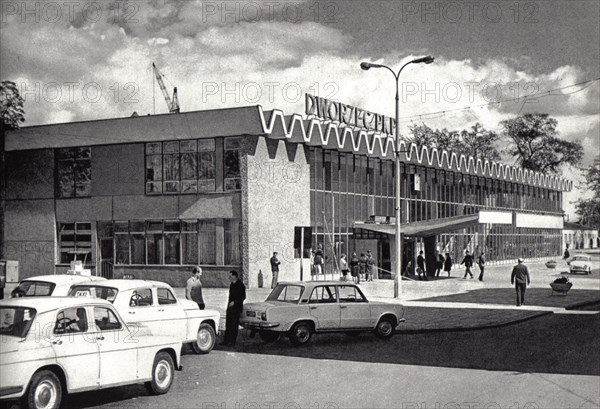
column 454, row 304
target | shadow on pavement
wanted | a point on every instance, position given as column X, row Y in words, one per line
column 533, row 296
column 561, row 344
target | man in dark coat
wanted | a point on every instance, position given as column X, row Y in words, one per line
column 520, row 278
column 468, row 262
column 237, row 295
column 481, row 263
column 421, row 266
column 275, row 269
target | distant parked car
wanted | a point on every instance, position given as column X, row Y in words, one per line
column 52, row 346
column 56, row 285
column 300, row 309
column 154, row 304
column 580, row 263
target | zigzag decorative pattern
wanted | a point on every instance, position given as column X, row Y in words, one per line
column 332, row 135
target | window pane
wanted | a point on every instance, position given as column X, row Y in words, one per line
column 188, row 146
column 154, row 246
column 172, row 248
column 207, row 239
column 165, row 296
column 66, row 179
column 206, row 145
column 105, row 319
column 232, row 241
column 188, row 166
column 172, row 225
column 138, row 249
column 171, row 147
column 189, row 246
column 206, row 168
column 153, row 148
column 171, row 167
column 153, row 168
column 122, row 248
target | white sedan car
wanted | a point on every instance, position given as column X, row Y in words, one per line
column 57, row 285
column 154, row 304
column 300, row 309
column 580, row 263
column 57, row 345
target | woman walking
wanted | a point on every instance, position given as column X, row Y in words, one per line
column 355, row 269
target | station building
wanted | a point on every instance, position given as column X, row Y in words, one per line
column 152, row 196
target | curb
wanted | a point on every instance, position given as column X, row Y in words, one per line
column 582, row 304
column 475, row 328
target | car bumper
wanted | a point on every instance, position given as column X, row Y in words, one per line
column 578, row 270
column 400, row 322
column 11, row 392
column 260, row 325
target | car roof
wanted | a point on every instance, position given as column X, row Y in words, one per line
column 64, row 278
column 44, row 304
column 126, row 284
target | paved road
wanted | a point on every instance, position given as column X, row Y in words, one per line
column 550, row 362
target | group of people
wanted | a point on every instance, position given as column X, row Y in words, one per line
column 360, row 268
column 235, row 302
column 445, row 263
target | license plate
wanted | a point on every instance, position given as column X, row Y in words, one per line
column 251, row 313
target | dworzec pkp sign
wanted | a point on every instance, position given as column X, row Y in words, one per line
column 347, row 114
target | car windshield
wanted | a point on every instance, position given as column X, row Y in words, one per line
column 90, row 290
column 32, row 288
column 286, row 293
column 16, row 321
column 580, row 258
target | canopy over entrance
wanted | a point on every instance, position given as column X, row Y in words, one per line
column 423, row 228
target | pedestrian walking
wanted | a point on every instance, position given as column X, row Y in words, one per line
column 193, row 287
column 421, row 266
column 448, row 264
column 370, row 263
column 481, row 263
column 355, row 268
column 344, row 267
column 275, row 269
column 318, row 261
column 439, row 263
column 235, row 304
column 408, row 269
column 468, row 262
column 362, row 262
column 520, row 278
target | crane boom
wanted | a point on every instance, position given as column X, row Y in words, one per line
column 173, row 105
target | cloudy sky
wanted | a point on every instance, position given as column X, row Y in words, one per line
column 82, row 60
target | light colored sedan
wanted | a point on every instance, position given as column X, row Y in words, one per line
column 300, row 309
column 56, row 285
column 580, row 263
column 57, row 345
column 154, row 304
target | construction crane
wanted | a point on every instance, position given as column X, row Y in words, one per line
column 172, row 105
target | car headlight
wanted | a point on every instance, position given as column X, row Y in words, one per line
column 585, row 267
column 263, row 315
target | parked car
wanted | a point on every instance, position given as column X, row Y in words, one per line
column 52, row 346
column 57, row 285
column 300, row 309
column 154, row 304
column 580, row 263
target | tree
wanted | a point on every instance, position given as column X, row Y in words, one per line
column 589, row 209
column 536, row 146
column 12, row 114
column 477, row 142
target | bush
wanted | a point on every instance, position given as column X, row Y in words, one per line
column 561, row 280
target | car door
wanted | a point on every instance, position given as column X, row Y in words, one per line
column 173, row 320
column 76, row 349
column 323, row 306
column 355, row 311
column 117, row 348
column 140, row 308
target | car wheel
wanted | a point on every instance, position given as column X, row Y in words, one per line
column 205, row 339
column 163, row 372
column 384, row 328
column 300, row 333
column 269, row 336
column 45, row 391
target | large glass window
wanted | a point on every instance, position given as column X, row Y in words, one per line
column 75, row 242
column 207, row 238
column 74, row 172
column 231, row 164
column 232, row 241
column 180, row 166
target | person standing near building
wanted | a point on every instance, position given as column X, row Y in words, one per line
column 275, row 269
column 370, row 263
column 439, row 263
column 193, row 287
column 344, row 267
column 235, row 304
column 520, row 278
column 363, row 266
column 448, row 264
column 468, row 262
column 481, row 263
column 355, row 268
column 318, row 261
column 421, row 266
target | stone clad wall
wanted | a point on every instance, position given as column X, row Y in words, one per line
column 275, row 199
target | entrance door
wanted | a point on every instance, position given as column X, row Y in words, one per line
column 384, row 255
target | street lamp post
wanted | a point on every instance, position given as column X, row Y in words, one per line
column 365, row 66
